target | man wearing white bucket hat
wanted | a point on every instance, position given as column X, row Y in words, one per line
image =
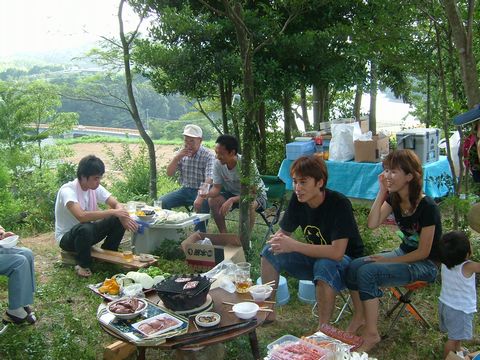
column 194, row 164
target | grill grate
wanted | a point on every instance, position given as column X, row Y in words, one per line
column 169, row 285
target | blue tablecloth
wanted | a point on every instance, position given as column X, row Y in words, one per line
column 360, row 180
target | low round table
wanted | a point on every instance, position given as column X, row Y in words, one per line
column 219, row 296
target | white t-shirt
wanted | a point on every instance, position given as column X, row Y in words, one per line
column 458, row 291
column 64, row 219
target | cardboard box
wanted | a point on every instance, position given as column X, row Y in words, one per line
column 204, row 257
column 364, row 125
column 370, row 150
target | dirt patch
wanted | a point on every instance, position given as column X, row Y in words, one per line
column 164, row 153
column 46, row 251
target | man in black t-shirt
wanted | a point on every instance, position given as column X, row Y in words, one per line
column 331, row 236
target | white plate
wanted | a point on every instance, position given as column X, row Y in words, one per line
column 176, row 324
column 213, row 315
column 9, row 242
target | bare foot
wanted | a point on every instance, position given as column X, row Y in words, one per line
column 355, row 326
column 369, row 342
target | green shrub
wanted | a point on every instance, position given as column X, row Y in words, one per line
column 35, row 194
column 130, row 178
column 66, row 172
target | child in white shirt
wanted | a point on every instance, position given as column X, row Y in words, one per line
column 458, row 297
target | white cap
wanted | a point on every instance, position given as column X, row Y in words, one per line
column 193, row 131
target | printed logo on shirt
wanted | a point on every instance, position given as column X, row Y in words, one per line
column 313, row 235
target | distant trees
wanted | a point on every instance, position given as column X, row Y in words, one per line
column 23, row 107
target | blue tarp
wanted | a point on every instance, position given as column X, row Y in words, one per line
column 360, row 180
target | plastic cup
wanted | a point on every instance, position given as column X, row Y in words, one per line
column 259, row 293
column 128, row 255
column 131, row 208
column 204, row 188
column 242, row 277
column 157, row 205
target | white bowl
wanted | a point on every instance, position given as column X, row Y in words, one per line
column 146, row 217
column 9, row 242
column 129, row 315
column 268, row 290
column 245, row 310
column 207, row 319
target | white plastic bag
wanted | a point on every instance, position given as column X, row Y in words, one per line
column 454, row 146
column 341, row 145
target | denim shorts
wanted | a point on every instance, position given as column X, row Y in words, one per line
column 261, row 201
column 304, row 267
column 456, row 323
column 368, row 277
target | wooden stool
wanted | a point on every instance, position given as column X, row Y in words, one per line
column 114, row 257
column 405, row 300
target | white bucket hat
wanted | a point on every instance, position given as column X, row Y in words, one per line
column 193, row 131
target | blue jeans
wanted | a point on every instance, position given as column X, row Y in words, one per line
column 18, row 264
column 185, row 196
column 367, row 277
column 304, row 267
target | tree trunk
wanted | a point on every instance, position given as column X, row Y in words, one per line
column 357, row 103
column 446, row 122
column 462, row 38
column 287, row 116
column 322, row 104
column 133, row 105
column 223, row 102
column 262, row 141
column 428, row 120
column 372, row 122
column 316, row 107
column 303, row 104
column 236, row 15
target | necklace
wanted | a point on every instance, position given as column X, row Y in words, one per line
column 406, row 212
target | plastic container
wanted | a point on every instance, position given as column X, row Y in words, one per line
column 424, row 142
column 283, row 296
column 289, row 340
column 300, row 148
column 306, row 292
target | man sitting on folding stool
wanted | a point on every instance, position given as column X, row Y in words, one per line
column 331, row 236
column 418, row 219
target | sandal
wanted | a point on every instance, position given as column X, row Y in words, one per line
column 83, row 272
column 8, row 318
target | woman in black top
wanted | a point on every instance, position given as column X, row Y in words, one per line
column 420, row 229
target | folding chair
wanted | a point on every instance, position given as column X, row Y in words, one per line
column 405, row 300
column 275, row 201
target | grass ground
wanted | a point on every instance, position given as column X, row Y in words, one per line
column 67, row 327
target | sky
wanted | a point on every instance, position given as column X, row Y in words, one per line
column 43, row 26
column 28, row 26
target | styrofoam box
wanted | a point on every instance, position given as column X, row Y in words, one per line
column 297, row 149
column 424, row 142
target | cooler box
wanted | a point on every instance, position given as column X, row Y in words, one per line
column 297, row 149
column 424, row 142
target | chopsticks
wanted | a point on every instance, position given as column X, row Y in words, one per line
column 264, row 301
column 271, row 283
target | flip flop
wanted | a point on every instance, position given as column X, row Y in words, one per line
column 83, row 272
column 8, row 318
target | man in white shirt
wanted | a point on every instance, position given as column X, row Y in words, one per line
column 79, row 223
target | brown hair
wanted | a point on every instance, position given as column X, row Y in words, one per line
column 409, row 162
column 310, row 166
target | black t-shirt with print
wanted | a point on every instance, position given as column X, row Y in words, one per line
column 426, row 214
column 332, row 220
